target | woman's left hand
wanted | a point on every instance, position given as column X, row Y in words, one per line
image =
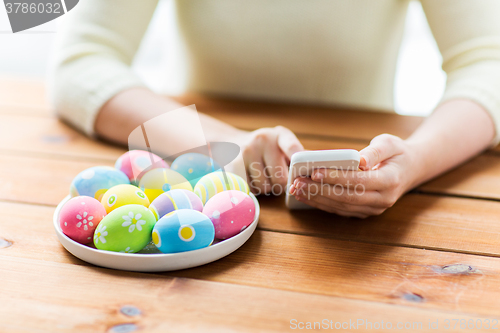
column 389, row 169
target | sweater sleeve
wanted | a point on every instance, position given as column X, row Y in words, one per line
column 94, row 51
column 468, row 36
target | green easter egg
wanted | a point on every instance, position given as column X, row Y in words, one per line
column 125, row 229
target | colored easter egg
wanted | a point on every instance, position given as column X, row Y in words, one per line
column 216, row 182
column 230, row 212
column 183, row 230
column 121, row 195
column 125, row 229
column 157, row 181
column 193, row 166
column 175, row 199
column 134, row 162
column 95, row 181
column 79, row 218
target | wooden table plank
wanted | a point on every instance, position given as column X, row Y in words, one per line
column 48, row 136
column 38, row 180
column 315, row 265
column 91, row 299
column 23, row 92
column 421, row 221
column 52, row 139
column 416, row 220
column 328, row 121
column 479, row 178
column 304, row 119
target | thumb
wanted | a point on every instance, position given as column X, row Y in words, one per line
column 288, row 142
column 380, row 149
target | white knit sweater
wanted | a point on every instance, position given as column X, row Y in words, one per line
column 320, row 51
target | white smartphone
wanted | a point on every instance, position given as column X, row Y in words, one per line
column 303, row 163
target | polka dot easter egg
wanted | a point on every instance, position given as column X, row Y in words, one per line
column 122, row 195
column 183, row 230
column 193, row 166
column 175, row 199
column 79, row 218
column 231, row 212
column 94, row 182
column 157, row 181
column 125, row 229
column 219, row 181
column 134, row 162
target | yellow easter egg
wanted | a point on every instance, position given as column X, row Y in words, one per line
column 122, row 195
column 158, row 181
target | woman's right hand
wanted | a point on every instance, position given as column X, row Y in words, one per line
column 267, row 152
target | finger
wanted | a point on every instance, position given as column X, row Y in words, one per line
column 381, row 148
column 341, row 196
column 330, row 209
column 276, row 166
column 259, row 183
column 288, row 142
column 372, row 180
column 369, row 210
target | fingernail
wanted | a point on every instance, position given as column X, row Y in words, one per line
column 318, row 175
column 300, row 185
column 292, row 189
column 365, row 166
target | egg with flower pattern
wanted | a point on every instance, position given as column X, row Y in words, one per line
column 216, row 182
column 125, row 229
column 95, row 181
column 79, row 218
column 183, row 230
column 122, row 195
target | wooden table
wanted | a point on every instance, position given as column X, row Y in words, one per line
column 431, row 258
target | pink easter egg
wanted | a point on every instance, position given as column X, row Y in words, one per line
column 79, row 217
column 134, row 162
column 231, row 212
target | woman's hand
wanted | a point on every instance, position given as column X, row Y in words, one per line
column 267, row 153
column 389, row 170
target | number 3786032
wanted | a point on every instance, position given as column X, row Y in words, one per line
column 23, row 7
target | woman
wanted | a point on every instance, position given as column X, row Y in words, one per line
column 323, row 51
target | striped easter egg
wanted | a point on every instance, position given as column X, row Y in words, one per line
column 173, row 200
column 216, row 182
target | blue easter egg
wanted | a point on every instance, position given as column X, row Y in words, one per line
column 193, row 166
column 183, row 230
column 94, row 182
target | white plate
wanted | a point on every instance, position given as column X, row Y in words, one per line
column 154, row 262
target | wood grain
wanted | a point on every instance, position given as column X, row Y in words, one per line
column 91, row 299
column 50, row 137
column 315, row 265
column 478, row 178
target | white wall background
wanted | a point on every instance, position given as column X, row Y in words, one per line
column 418, row 87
